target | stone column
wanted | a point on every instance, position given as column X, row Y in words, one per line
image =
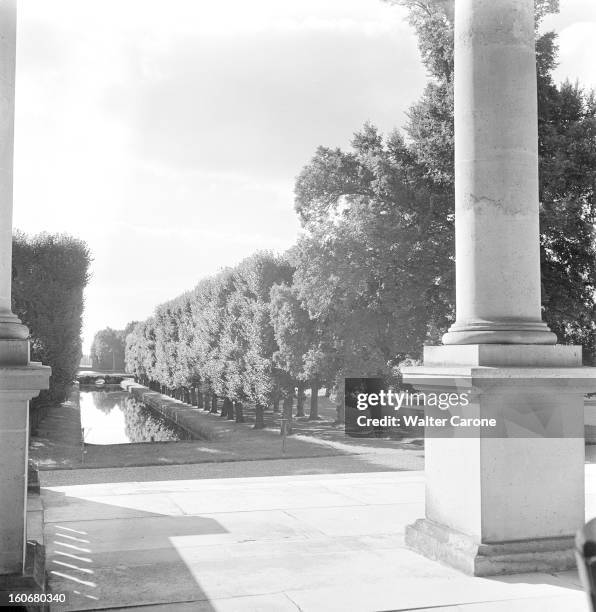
column 510, row 502
column 20, row 379
column 496, row 176
column 10, row 326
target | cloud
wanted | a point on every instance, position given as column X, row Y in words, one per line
column 577, row 50
column 576, row 29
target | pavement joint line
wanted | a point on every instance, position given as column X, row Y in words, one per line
column 292, row 601
column 176, row 505
column 322, row 533
column 147, row 605
column 195, row 599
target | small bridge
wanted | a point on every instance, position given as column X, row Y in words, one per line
column 88, row 376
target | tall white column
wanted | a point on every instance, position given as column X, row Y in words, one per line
column 10, row 326
column 496, row 176
column 20, row 379
column 512, row 501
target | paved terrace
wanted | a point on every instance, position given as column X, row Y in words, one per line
column 164, row 541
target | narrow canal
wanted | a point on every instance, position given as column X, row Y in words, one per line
column 111, row 416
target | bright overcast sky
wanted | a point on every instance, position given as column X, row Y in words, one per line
column 167, row 135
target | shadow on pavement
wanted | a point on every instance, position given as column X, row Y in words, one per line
column 107, row 555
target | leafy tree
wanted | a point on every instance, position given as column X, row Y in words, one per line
column 50, row 272
column 140, row 351
column 373, row 269
column 568, row 210
column 297, row 339
column 107, row 350
column 255, row 277
column 217, row 293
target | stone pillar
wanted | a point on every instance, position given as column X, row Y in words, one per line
column 10, row 326
column 511, row 502
column 18, row 384
column 496, row 176
column 20, row 379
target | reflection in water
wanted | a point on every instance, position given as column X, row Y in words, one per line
column 112, row 416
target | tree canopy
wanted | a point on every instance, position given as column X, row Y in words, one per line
column 108, row 348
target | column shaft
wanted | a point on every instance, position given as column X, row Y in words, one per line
column 496, row 176
column 10, row 326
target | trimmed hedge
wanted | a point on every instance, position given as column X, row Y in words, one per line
column 50, row 272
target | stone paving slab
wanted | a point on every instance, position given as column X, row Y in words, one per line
column 324, row 542
column 467, row 594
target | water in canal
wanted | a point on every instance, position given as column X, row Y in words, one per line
column 111, row 416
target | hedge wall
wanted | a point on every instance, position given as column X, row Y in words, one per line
column 50, row 272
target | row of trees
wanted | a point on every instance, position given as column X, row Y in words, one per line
column 237, row 336
column 372, row 278
column 50, row 272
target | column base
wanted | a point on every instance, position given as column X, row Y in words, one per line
column 499, row 337
column 462, row 552
column 499, row 332
column 11, row 327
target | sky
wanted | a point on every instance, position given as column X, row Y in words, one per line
column 168, row 135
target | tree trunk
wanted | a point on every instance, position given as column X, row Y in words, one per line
column 213, row 403
column 239, row 412
column 230, row 412
column 313, row 414
column 259, row 417
column 225, row 409
column 276, row 403
column 199, row 398
column 300, row 401
column 207, row 401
